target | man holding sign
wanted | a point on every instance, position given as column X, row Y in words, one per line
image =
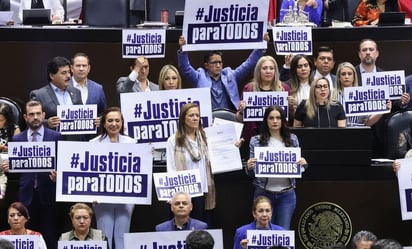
column 223, row 82
column 37, row 191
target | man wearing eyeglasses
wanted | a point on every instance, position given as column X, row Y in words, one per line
column 181, row 206
column 223, row 81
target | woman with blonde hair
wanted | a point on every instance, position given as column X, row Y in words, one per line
column 265, row 79
column 346, row 76
column 319, row 110
column 169, row 78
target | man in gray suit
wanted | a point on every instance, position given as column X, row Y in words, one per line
column 137, row 80
column 57, row 92
column 181, row 207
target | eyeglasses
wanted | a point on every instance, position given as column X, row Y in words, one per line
column 322, row 86
column 216, row 62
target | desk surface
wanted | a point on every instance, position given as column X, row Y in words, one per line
column 91, row 34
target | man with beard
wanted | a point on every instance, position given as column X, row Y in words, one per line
column 368, row 54
column 37, row 191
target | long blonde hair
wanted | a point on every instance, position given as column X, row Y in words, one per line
column 311, row 103
column 163, row 73
column 275, row 85
column 339, row 87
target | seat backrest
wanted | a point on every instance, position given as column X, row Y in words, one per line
column 224, row 113
column 106, row 13
column 17, row 110
column 351, row 6
column 397, row 123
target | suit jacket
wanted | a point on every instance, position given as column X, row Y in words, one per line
column 46, row 188
column 230, row 77
column 241, row 232
column 378, row 69
column 49, row 101
column 192, row 224
column 95, row 95
column 125, row 85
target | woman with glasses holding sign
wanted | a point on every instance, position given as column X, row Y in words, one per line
column 280, row 191
column 319, row 110
column 113, row 218
column 17, row 217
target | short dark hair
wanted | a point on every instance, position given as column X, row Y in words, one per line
column 6, row 244
column 80, row 54
column 199, row 239
column 54, row 64
column 209, row 54
column 323, row 49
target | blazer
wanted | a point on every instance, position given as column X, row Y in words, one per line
column 192, row 224
column 95, row 95
column 358, row 72
column 241, row 232
column 49, row 101
column 230, row 77
column 46, row 188
column 125, row 85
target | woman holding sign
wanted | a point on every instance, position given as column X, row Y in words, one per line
column 280, row 191
column 265, row 79
column 346, row 77
column 187, row 149
column 262, row 212
column 113, row 219
column 17, row 217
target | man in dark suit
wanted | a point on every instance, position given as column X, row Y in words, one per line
column 37, row 191
column 91, row 92
column 181, row 207
column 57, row 92
column 324, row 62
column 368, row 54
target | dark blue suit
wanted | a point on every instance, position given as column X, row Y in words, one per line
column 192, row 224
column 41, row 202
column 95, row 95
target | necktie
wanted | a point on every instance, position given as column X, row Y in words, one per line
column 34, row 139
column 34, row 136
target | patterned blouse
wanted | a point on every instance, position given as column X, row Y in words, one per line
column 368, row 11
